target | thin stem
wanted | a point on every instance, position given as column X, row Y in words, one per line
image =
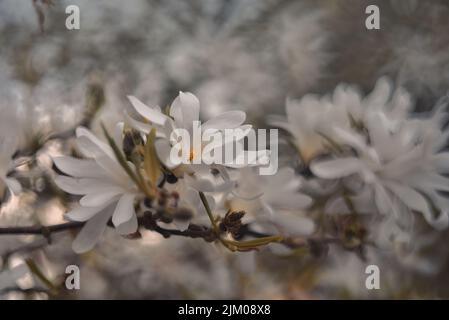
column 209, row 211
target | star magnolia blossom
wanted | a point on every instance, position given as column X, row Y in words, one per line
column 184, row 112
column 108, row 192
column 398, row 159
column 273, row 200
column 312, row 120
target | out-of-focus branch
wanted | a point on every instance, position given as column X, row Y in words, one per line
column 41, row 230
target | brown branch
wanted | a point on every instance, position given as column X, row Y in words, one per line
column 317, row 246
column 42, row 230
column 193, row 231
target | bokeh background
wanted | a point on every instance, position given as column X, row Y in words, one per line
column 237, row 54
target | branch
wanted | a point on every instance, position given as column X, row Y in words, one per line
column 316, row 246
column 41, row 230
column 193, row 231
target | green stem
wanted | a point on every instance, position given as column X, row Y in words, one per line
column 208, row 210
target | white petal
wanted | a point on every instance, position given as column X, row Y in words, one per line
column 150, row 114
column 80, row 185
column 81, row 213
column 79, row 168
column 163, row 150
column 190, row 109
column 99, row 146
column 113, row 168
column 90, row 149
column 92, row 231
column 128, row 227
column 336, row 168
column 118, row 135
column 99, row 198
column 249, row 158
column 415, row 201
column 144, row 127
column 238, row 134
column 124, row 209
column 227, row 120
column 176, row 111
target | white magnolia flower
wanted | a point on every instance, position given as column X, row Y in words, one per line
column 8, row 145
column 400, row 163
column 273, row 200
column 108, row 192
column 184, row 113
column 312, row 120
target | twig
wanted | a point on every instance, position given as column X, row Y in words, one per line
column 42, row 230
column 194, row 231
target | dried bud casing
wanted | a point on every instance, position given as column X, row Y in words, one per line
column 232, row 223
column 131, row 141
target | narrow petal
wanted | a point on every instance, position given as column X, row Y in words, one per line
column 92, row 231
column 90, row 150
column 128, row 227
column 82, row 132
column 163, row 150
column 415, row 201
column 144, row 127
column 190, row 109
column 124, row 210
column 227, row 120
column 150, row 114
column 176, row 111
column 336, row 168
column 80, row 185
column 81, row 213
column 99, row 198
column 79, row 168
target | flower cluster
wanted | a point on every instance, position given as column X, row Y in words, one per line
column 132, row 177
column 356, row 157
column 378, row 154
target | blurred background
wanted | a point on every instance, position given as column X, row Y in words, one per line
column 237, row 54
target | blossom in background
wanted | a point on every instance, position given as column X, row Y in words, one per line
column 394, row 157
column 273, row 202
column 312, row 120
column 108, row 191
